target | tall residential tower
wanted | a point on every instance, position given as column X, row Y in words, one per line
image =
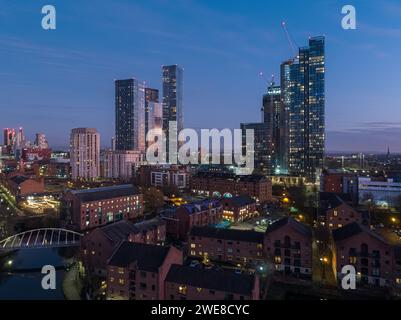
column 130, row 115
column 305, row 91
column 172, row 98
column 85, row 154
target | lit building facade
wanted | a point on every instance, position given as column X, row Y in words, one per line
column 172, row 98
column 138, row 271
column 153, row 112
column 262, row 146
column 382, row 192
column 186, row 283
column 306, row 120
column 242, row 248
column 130, row 115
column 41, row 141
column 273, row 116
column 88, row 209
column 120, row 164
column 85, row 154
column 288, row 245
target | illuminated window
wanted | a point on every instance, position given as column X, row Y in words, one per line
column 193, row 246
column 121, row 281
column 277, row 260
column 182, row 289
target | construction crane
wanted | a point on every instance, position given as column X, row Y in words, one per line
column 291, row 41
column 262, row 76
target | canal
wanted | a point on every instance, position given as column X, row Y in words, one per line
column 21, row 277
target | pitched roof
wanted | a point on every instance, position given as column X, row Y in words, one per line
column 330, row 200
column 199, row 206
column 147, row 257
column 227, row 234
column 87, row 195
column 291, row 222
column 347, row 231
column 353, row 229
column 211, row 279
column 19, row 179
column 240, row 201
column 120, row 231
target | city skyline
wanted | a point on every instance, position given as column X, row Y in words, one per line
column 360, row 110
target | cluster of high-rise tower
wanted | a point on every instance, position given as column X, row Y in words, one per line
column 291, row 138
column 139, row 109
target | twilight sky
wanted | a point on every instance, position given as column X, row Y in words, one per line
column 52, row 81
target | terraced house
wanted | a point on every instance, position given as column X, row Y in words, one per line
column 236, row 247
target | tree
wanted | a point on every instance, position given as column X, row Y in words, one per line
column 397, row 204
column 153, row 198
column 171, row 190
column 298, row 196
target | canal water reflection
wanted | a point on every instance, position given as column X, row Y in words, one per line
column 20, row 273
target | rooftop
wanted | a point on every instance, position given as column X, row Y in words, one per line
column 120, row 231
column 230, row 176
column 199, row 206
column 19, row 179
column 355, row 228
column 147, row 257
column 240, row 201
column 294, row 224
column 227, row 234
column 211, row 279
column 88, row 195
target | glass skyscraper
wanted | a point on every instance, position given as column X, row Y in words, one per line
column 153, row 112
column 130, row 115
column 172, row 98
column 304, row 96
column 272, row 117
column 262, row 146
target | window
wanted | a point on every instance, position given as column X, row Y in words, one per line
column 182, row 290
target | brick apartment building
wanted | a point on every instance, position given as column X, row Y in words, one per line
column 98, row 245
column 239, row 209
column 186, row 283
column 375, row 255
column 236, row 247
column 149, row 232
column 138, row 271
column 87, row 209
column 337, row 213
column 200, row 213
column 339, row 181
column 211, row 184
column 288, row 245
